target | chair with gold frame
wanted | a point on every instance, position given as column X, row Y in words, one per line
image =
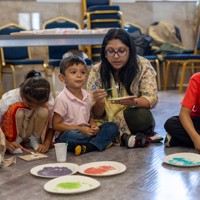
column 12, row 57
column 55, row 53
column 184, row 61
column 85, row 4
column 102, row 17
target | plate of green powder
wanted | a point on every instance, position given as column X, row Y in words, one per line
column 71, row 184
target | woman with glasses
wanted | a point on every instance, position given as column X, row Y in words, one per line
column 124, row 90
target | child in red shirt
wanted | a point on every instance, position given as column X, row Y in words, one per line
column 184, row 130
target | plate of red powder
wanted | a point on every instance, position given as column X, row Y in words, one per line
column 102, row 168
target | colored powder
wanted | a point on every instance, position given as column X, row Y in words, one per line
column 70, row 185
column 54, row 171
column 183, row 162
column 99, row 169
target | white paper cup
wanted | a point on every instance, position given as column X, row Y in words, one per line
column 61, row 152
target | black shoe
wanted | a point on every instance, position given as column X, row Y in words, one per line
column 131, row 141
column 141, row 140
column 128, row 140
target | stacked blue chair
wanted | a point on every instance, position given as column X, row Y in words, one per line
column 11, row 57
column 102, row 17
column 88, row 3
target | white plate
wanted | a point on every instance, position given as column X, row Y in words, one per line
column 54, row 170
column 183, row 159
column 121, row 98
column 103, row 168
column 71, row 184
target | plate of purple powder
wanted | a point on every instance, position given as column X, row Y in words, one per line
column 54, row 170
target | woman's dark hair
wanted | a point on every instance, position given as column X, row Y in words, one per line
column 35, row 88
column 129, row 71
column 69, row 61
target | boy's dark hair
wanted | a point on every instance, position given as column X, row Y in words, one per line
column 35, row 88
column 69, row 61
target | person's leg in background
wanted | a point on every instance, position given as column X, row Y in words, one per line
column 176, row 134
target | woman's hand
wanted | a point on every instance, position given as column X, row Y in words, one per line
column 129, row 102
column 99, row 95
column 134, row 101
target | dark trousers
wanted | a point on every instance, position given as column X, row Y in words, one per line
column 180, row 137
column 139, row 120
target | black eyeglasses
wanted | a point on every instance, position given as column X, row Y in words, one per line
column 121, row 52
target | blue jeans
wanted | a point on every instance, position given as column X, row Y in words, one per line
column 108, row 131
